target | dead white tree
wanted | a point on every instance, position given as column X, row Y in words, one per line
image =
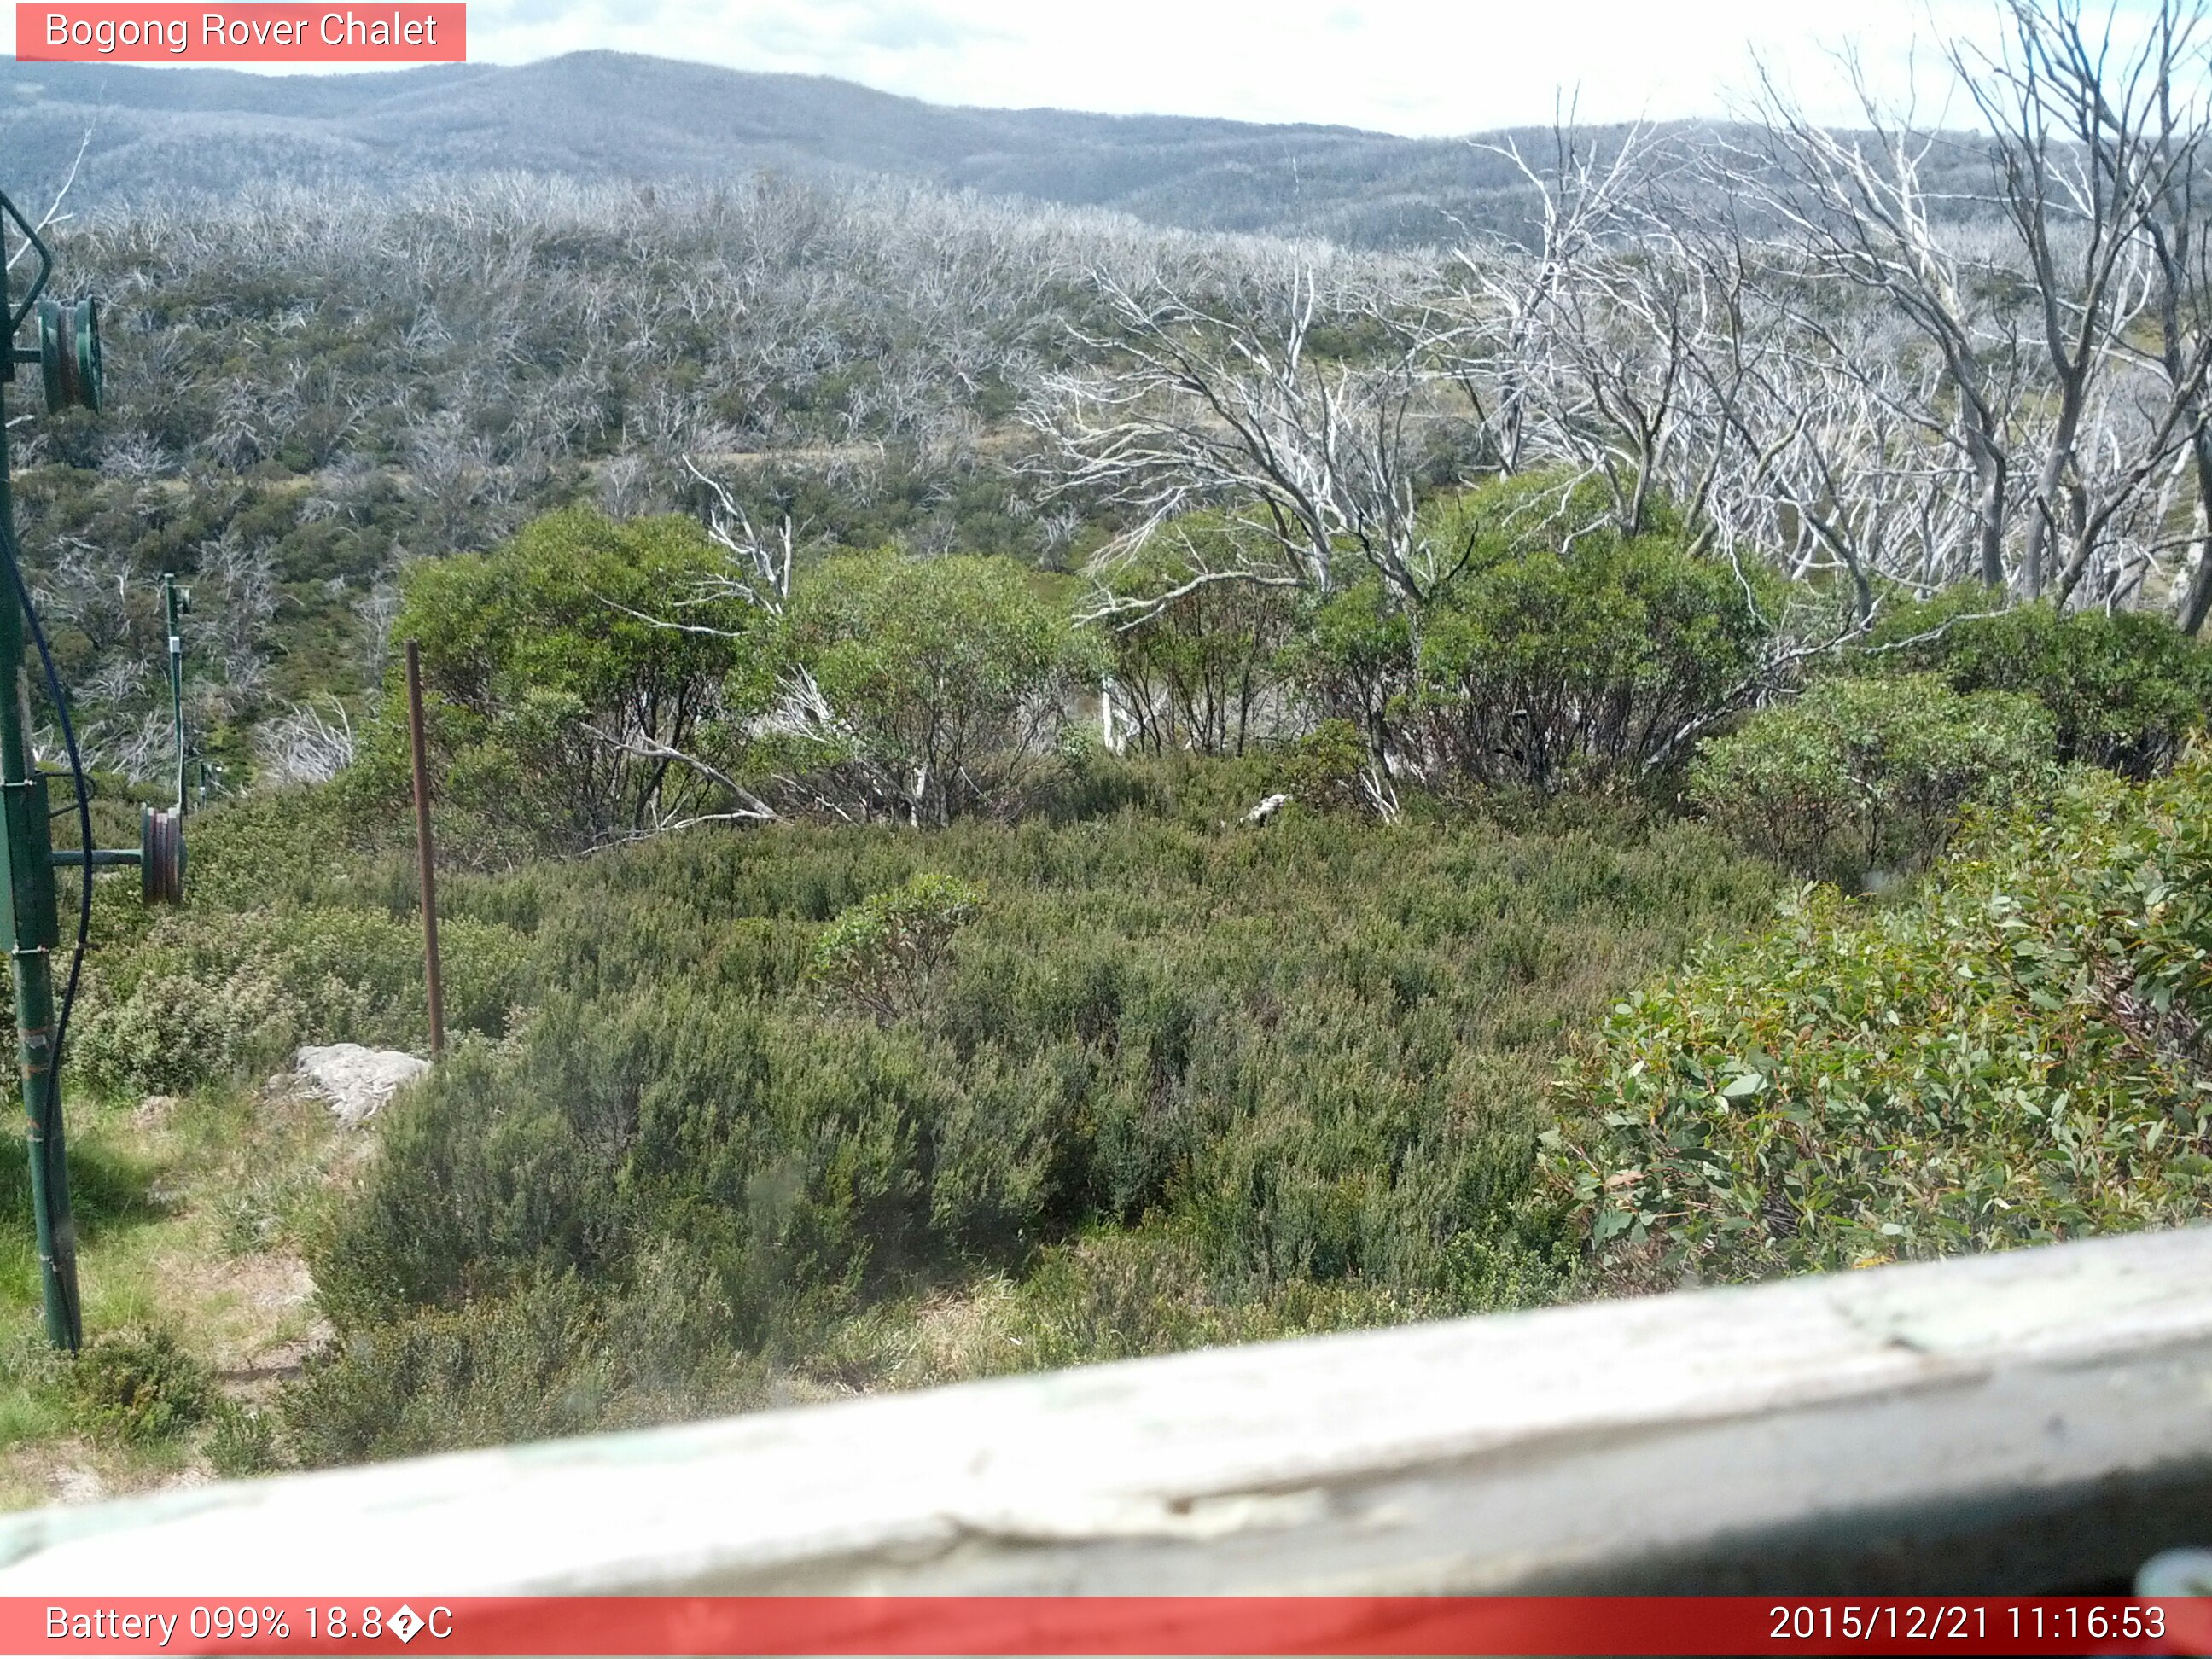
column 1514, row 297
column 759, row 569
column 54, row 213
column 1229, row 401
column 2097, row 129
column 2070, row 325
column 1857, row 208
column 2175, row 229
column 1838, row 468
column 304, row 744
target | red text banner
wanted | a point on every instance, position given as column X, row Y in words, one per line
column 1104, row 1625
column 123, row 32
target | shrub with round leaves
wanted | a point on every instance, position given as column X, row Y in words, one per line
column 2015, row 1055
column 2125, row 689
column 1862, row 776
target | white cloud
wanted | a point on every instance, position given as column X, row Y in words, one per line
column 1404, row 65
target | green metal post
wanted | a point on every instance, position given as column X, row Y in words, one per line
column 176, row 682
column 32, row 932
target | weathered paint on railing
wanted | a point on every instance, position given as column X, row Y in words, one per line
column 2039, row 1419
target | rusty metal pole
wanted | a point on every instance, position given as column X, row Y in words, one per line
column 422, row 850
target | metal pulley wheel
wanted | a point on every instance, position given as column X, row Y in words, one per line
column 162, row 855
column 69, row 353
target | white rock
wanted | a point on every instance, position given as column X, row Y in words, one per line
column 357, row 1081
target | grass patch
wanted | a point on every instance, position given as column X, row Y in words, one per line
column 183, row 1318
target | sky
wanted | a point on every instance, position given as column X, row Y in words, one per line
column 1424, row 67
column 1427, row 68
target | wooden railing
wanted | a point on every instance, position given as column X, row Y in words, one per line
column 2040, row 1419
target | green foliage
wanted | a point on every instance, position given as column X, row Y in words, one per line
column 1199, row 670
column 1328, row 768
column 554, row 691
column 2124, row 689
column 1355, row 662
column 548, row 1360
column 1547, row 669
column 243, row 1441
column 1085, row 780
column 1177, row 1083
column 283, row 428
column 209, row 994
column 1861, row 778
column 1306, row 1069
column 2013, row 1056
column 568, row 708
column 141, row 1386
column 1557, row 654
column 952, row 675
column 272, row 848
column 882, row 952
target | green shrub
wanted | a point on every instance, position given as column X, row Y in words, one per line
column 243, row 1442
column 1552, row 669
column 1329, row 767
column 1314, row 1058
column 1555, row 653
column 218, row 994
column 1085, row 780
column 1856, row 778
column 882, row 952
column 1121, row 1294
column 274, row 847
column 141, row 1386
column 2013, row 1056
column 1200, row 671
column 2125, row 689
column 1356, row 662
column 951, row 676
column 548, row 1360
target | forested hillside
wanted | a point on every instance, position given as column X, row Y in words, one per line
column 1016, row 785
column 306, row 389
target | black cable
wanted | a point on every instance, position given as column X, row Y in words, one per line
column 14, row 562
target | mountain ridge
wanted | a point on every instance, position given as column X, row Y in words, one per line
column 155, row 130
